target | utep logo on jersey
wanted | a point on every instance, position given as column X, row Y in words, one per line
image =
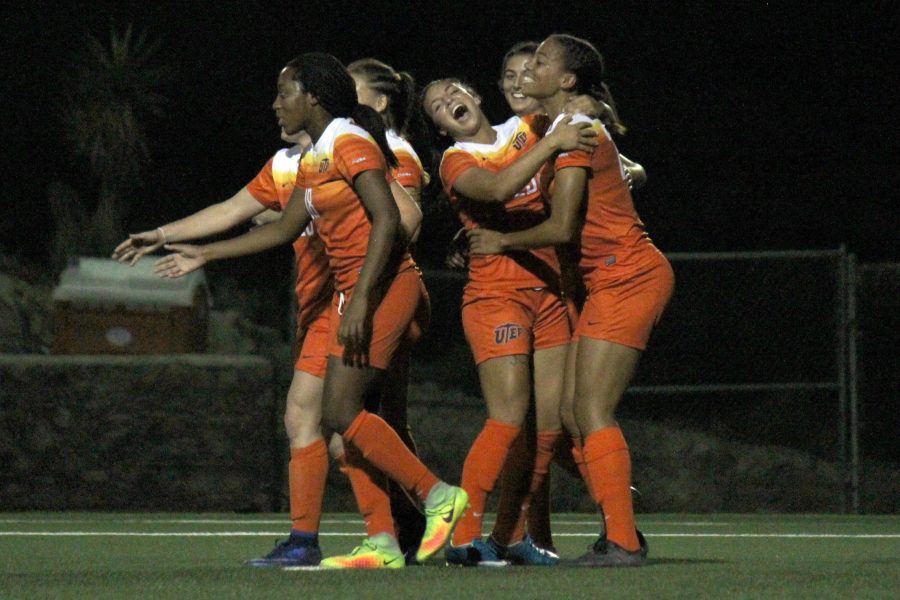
column 323, row 166
column 520, row 140
column 507, row 332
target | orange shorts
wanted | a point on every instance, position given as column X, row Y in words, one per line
column 313, row 345
column 393, row 321
column 626, row 311
column 507, row 322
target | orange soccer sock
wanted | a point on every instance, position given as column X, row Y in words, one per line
column 539, row 522
column 381, row 446
column 307, row 472
column 609, row 467
column 578, row 457
column 562, row 454
column 514, row 482
column 370, row 489
column 480, row 473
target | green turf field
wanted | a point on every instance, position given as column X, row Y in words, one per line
column 100, row 555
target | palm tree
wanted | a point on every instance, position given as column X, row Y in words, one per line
column 109, row 93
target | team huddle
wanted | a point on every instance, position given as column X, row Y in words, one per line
column 564, row 287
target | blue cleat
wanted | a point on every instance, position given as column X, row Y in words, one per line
column 476, row 554
column 293, row 552
column 526, row 553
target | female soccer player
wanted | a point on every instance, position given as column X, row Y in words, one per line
column 510, row 526
column 263, row 199
column 392, row 95
column 308, row 466
column 513, row 305
column 629, row 283
column 341, row 184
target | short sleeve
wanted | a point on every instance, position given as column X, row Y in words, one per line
column 354, row 154
column 263, row 187
column 454, row 164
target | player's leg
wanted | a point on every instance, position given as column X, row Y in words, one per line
column 549, row 371
column 345, row 388
column 615, row 327
column 506, row 387
column 308, row 465
column 408, row 514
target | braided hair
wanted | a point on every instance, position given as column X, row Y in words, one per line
column 326, row 78
column 583, row 60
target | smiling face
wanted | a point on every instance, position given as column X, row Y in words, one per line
column 453, row 109
column 511, row 86
column 291, row 103
column 546, row 74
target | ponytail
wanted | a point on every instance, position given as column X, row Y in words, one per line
column 369, row 119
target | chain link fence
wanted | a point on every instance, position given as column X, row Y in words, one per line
column 754, row 346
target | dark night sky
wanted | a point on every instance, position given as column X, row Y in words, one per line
column 762, row 125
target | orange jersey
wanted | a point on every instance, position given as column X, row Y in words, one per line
column 511, row 270
column 408, row 172
column 272, row 187
column 327, row 170
column 613, row 233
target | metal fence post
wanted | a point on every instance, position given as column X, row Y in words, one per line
column 841, row 364
column 852, row 387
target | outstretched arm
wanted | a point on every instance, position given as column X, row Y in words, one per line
column 189, row 258
column 488, row 186
column 562, row 225
column 208, row 221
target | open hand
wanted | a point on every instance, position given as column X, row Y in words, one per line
column 186, row 259
column 137, row 245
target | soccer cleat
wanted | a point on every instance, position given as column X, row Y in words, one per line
column 476, row 554
column 645, row 548
column 526, row 553
column 443, row 508
column 293, row 552
column 367, row 555
column 605, row 553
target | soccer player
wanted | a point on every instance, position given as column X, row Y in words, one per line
column 510, row 527
column 392, row 95
column 513, row 306
column 308, row 465
column 341, row 184
column 266, row 195
column 628, row 280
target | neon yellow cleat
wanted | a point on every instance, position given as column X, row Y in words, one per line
column 443, row 508
column 368, row 555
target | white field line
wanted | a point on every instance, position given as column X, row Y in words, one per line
column 861, row 536
column 348, row 520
